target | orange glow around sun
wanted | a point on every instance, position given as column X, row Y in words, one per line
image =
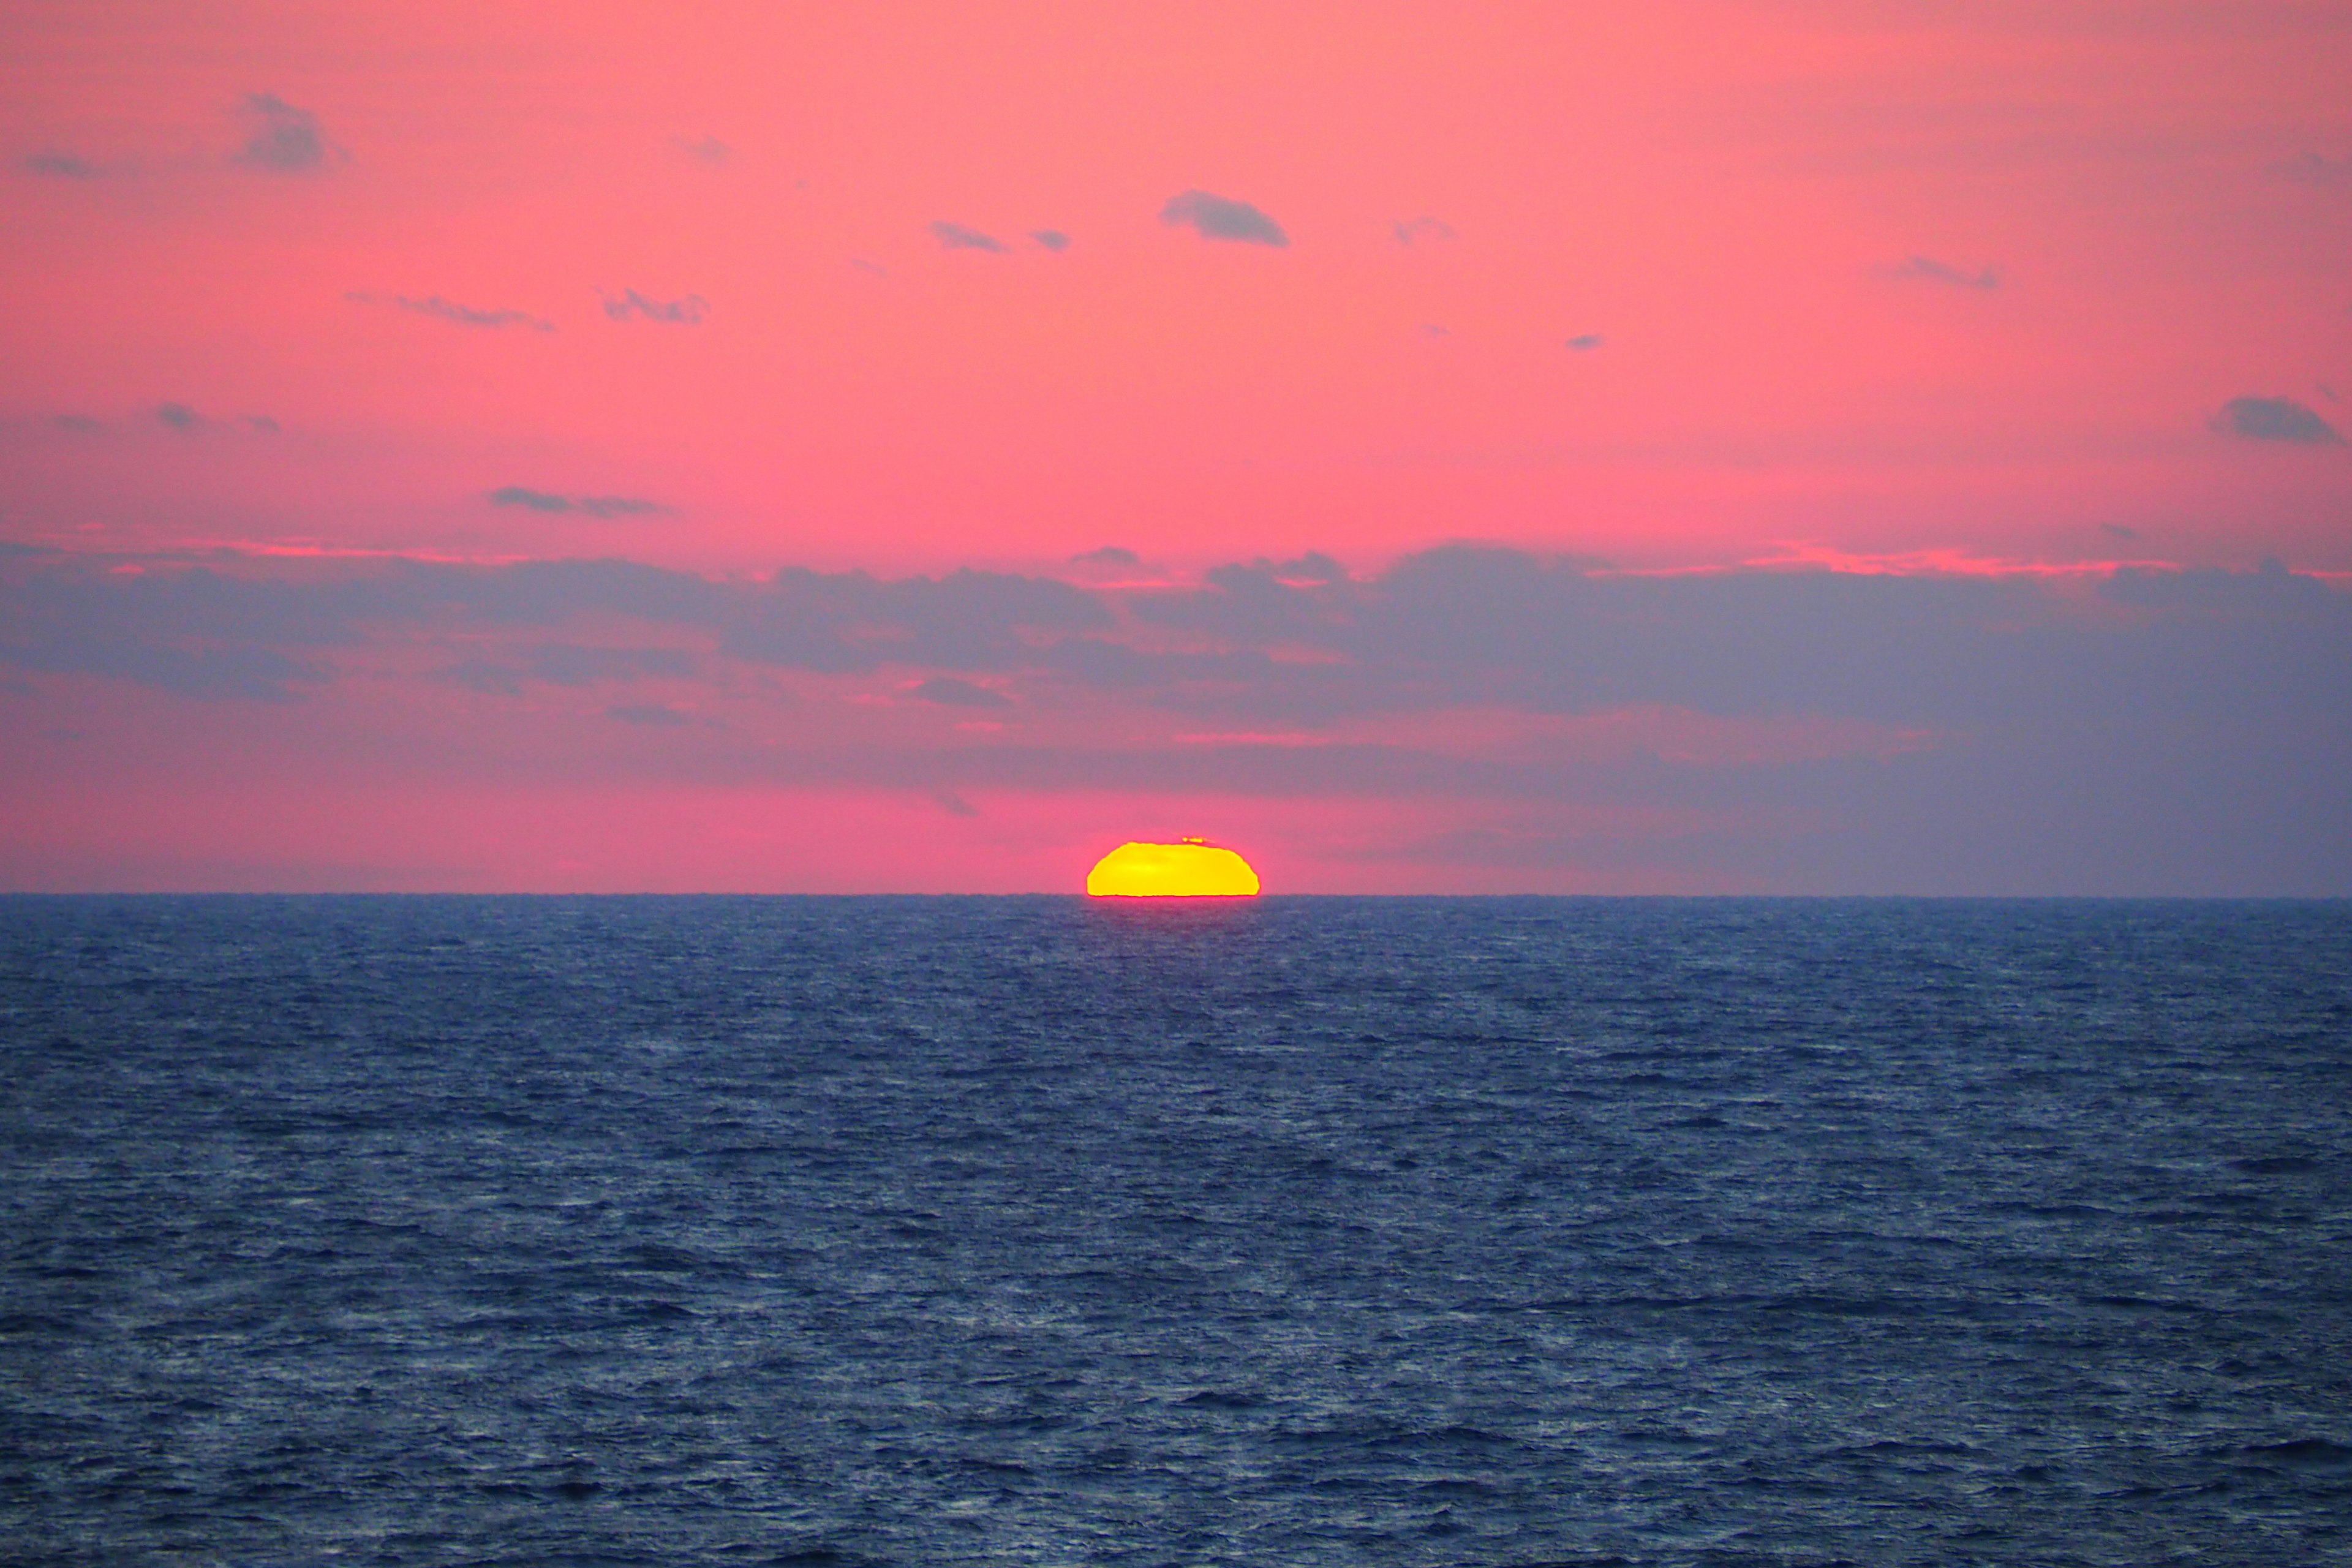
column 1189, row 868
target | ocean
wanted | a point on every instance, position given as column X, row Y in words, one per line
column 1288, row 1231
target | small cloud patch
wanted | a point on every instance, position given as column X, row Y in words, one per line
column 589, row 506
column 948, row 691
column 1584, row 342
column 1050, row 238
column 285, row 139
column 58, row 165
column 451, row 311
column 707, row 151
column 2119, row 531
column 1414, row 231
column 628, row 303
column 653, row 715
column 1927, row 270
column 956, row 236
column 2275, row 419
column 1222, row 217
column 2317, row 169
column 179, row 416
column 1108, row 555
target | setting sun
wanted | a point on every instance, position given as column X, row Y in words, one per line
column 1190, row 868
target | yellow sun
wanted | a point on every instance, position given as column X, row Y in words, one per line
column 1188, row 868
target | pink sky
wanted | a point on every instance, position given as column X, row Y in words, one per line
column 2008, row 295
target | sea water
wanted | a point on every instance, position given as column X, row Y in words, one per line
column 1294, row 1231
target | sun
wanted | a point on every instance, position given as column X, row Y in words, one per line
column 1188, row 868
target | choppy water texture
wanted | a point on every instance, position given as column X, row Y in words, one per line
column 1303, row 1231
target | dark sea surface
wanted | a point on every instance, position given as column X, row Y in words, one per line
column 1301, row 1231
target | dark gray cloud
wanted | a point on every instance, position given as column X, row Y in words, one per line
column 956, row 236
column 1413, row 231
column 950, row 692
column 449, row 311
column 55, row 164
column 1222, row 217
column 1927, row 270
column 1050, row 238
column 1586, row 341
column 628, row 303
column 2275, row 419
column 591, row 506
column 285, row 139
column 705, row 150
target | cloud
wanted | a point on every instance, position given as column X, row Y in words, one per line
column 967, row 620
column 286, row 140
column 449, row 311
column 873, row 267
column 1413, row 231
column 570, row 665
column 2145, row 729
column 1220, row 218
column 654, row 715
column 80, row 423
column 2309, row 168
column 2274, row 419
column 1927, row 270
column 706, row 150
column 955, row 236
column 179, row 416
column 1585, row 341
column 592, row 506
column 2121, row 530
column 57, row 164
column 1108, row 555
column 685, row 313
column 1050, row 238
column 948, row 691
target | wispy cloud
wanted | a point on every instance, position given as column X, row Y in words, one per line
column 628, row 303
column 707, row 151
column 950, row 692
column 1927, row 270
column 179, row 416
column 450, row 310
column 956, row 236
column 1413, row 231
column 1050, row 238
column 285, row 139
column 1222, row 217
column 2275, row 419
column 1584, row 342
column 590, row 506
column 2316, row 169
column 55, row 164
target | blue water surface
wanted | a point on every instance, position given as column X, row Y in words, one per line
column 1293, row 1231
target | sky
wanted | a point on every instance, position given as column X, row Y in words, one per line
column 1771, row 447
